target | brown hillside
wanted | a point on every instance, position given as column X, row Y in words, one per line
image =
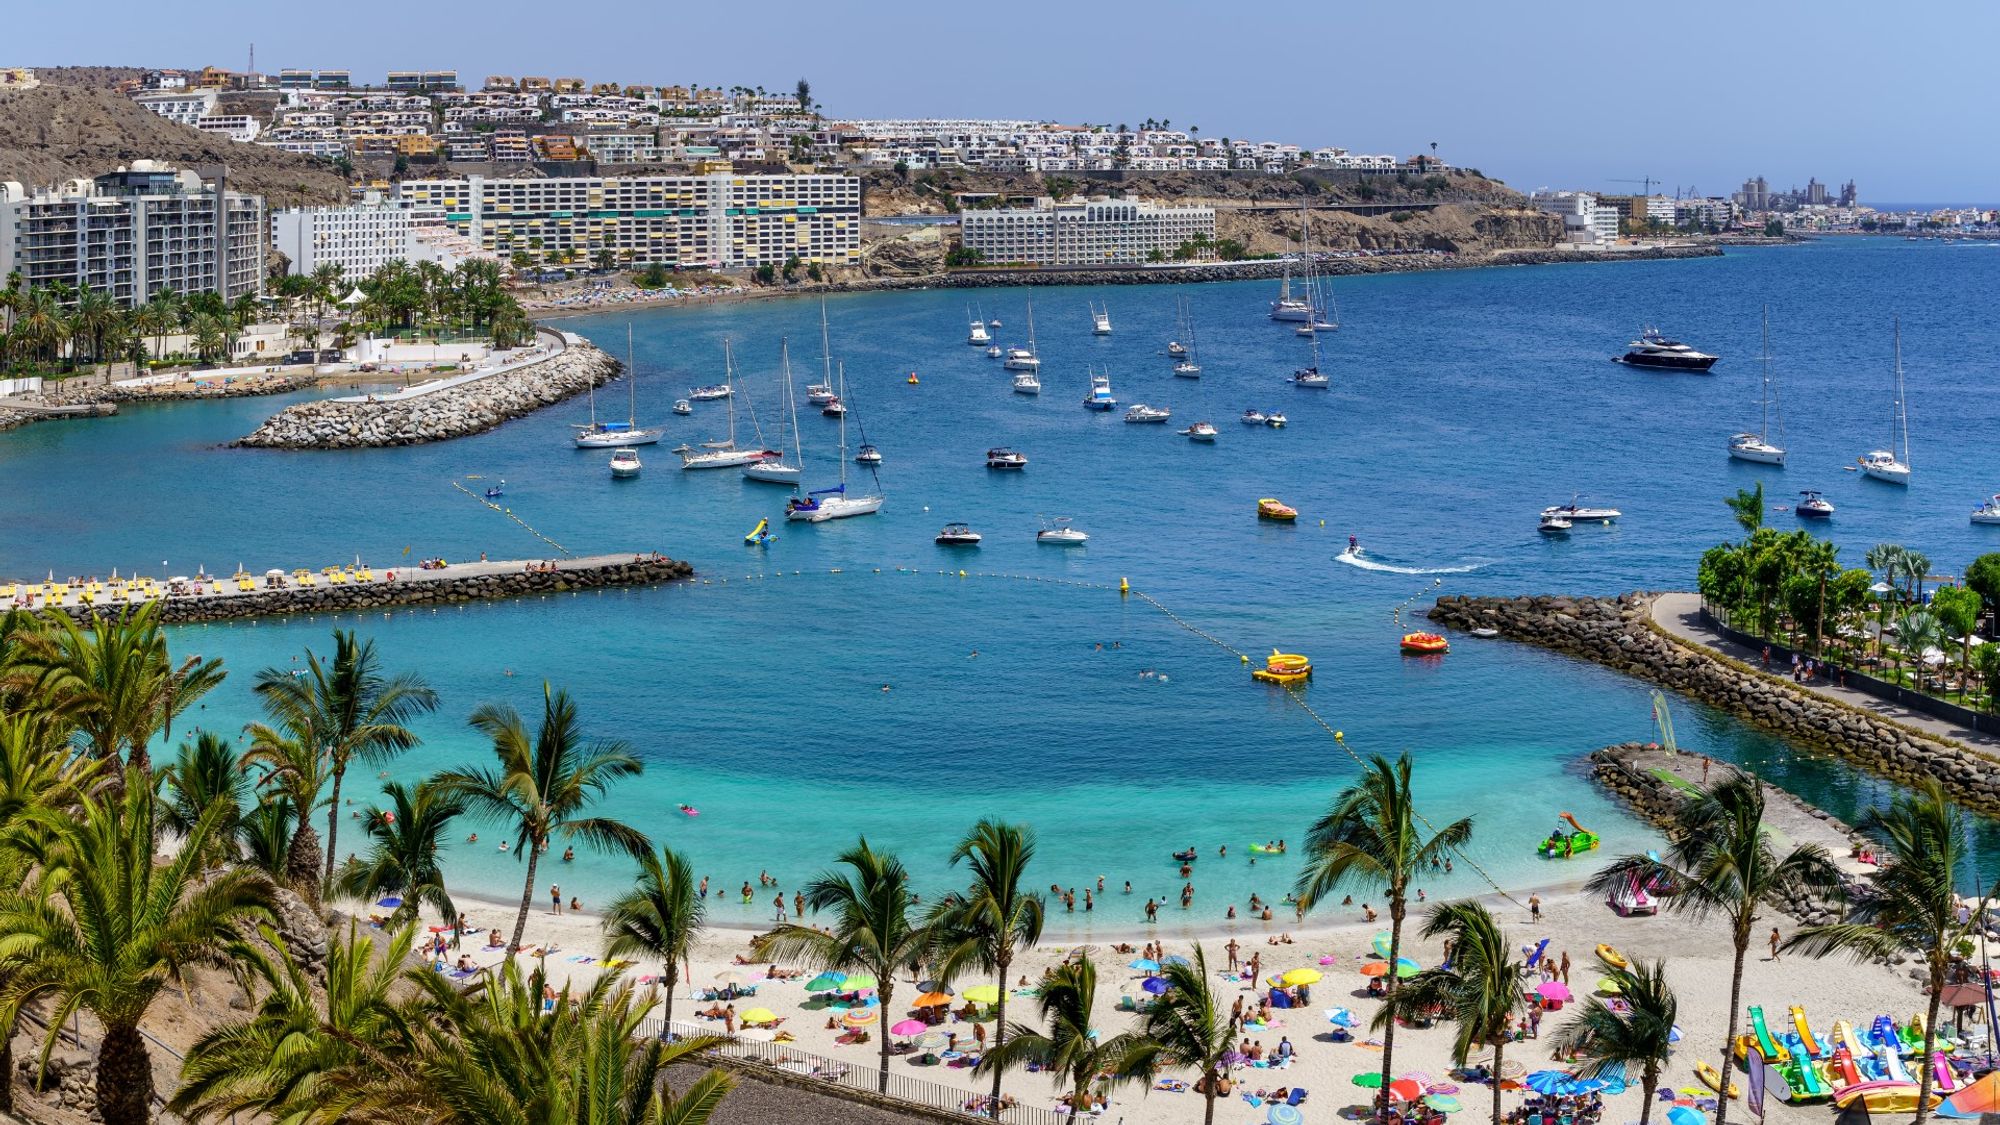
column 67, row 132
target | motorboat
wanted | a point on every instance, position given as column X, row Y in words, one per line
column 868, row 455
column 1574, row 511
column 776, row 470
column 1025, row 383
column 1200, row 431
column 615, row 435
column 1553, row 524
column 1140, row 412
column 683, row 407
column 1176, row 349
column 497, row 490
column 1892, row 465
column 1099, row 397
column 1654, row 350
column 834, row 408
column 994, row 323
column 709, row 393
column 819, row 394
column 1758, row 448
column 1100, row 320
column 994, row 352
column 1813, row 506
column 1275, row 419
column 625, row 463
column 1309, row 377
column 1020, row 359
column 1254, row 417
column 1272, row 509
column 958, row 535
column 1988, row 512
column 1059, row 532
column 1004, row 458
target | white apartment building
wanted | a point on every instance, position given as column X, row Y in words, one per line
column 1095, row 232
column 362, row 238
column 715, row 220
column 1585, row 223
column 182, row 107
column 623, row 148
column 133, row 232
column 236, row 126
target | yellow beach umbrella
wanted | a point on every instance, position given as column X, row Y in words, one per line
column 1302, row 976
column 759, row 1015
column 859, row 1017
column 983, row 994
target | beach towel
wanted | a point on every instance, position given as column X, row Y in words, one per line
column 1298, row 1095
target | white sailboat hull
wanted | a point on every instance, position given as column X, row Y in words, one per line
column 1291, row 312
column 722, row 458
column 772, row 472
column 616, row 440
column 1749, row 447
column 1021, row 363
column 843, row 507
column 1890, row 472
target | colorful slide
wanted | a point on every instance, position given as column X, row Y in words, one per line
column 1766, row 1046
column 1941, row 1076
column 1802, row 1075
column 1813, row 1047
column 1840, row 1067
column 1860, row 1058
column 1892, row 1065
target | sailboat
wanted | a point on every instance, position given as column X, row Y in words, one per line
column 822, row 504
column 1024, row 359
column 1311, row 377
column 1757, row 447
column 724, row 454
column 1892, row 465
column 1310, row 311
column 976, row 333
column 612, row 435
column 776, row 471
column 1189, row 365
column 1175, row 349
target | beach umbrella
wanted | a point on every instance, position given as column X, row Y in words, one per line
column 1375, row 969
column 729, row 976
column 983, row 994
column 934, row 986
column 1683, row 1115
column 1406, row 1090
column 391, row 903
column 1550, row 1082
column 909, row 1027
column 825, row 982
column 859, row 982
column 931, row 1000
column 1553, row 990
column 1155, row 985
column 1369, row 1081
column 1176, row 959
column 932, row 1040
column 1278, row 1113
column 1406, row 968
column 1443, row 1103
column 759, row 1015
column 1302, row 976
column 1381, row 944
column 1341, row 1017
column 1145, row 965
column 859, row 1017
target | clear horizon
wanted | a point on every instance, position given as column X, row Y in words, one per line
column 1703, row 95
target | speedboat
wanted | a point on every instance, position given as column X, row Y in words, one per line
column 1309, row 377
column 1652, row 349
column 819, row 394
column 833, row 407
column 1004, row 458
column 1271, row 509
column 1275, row 419
column 868, row 455
column 1140, row 412
column 976, row 334
column 683, row 406
column 994, row 352
column 1025, row 383
column 1200, row 431
column 1254, row 417
column 1187, row 369
column 1059, row 532
column 1813, row 506
column 957, row 535
column 1883, row 466
column 1553, row 524
column 1020, row 359
column 1176, row 349
column 1572, row 511
column 625, row 463
column 1988, row 512
column 1099, row 397
column 709, row 393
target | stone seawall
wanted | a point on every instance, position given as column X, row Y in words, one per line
column 198, row 386
column 1619, row 633
column 419, row 589
column 459, row 411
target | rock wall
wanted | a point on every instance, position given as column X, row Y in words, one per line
column 1619, row 633
column 469, row 408
column 244, row 384
column 636, row 571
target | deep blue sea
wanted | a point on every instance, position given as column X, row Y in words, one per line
column 1464, row 402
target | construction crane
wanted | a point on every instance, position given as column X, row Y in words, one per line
column 1646, row 185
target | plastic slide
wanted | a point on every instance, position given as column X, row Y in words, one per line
column 1843, row 1036
column 1912, row 1033
column 1803, row 1030
column 1841, row 1067
column 1803, row 1077
column 1941, row 1075
column 1892, row 1065
column 1766, row 1046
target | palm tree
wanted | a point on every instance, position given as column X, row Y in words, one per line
column 1070, row 1049
column 1917, row 634
column 543, row 785
column 405, row 841
column 296, row 775
column 1186, row 1026
column 659, row 918
column 1640, row 1036
column 115, row 679
column 1916, row 568
column 95, row 320
column 1748, row 505
column 872, row 930
column 997, row 917
column 1915, row 905
column 1372, row 836
column 1481, row 992
column 1723, row 863
column 356, row 711
column 1887, row 558
column 124, row 928
column 204, row 772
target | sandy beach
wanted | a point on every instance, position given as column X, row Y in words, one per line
column 1337, row 944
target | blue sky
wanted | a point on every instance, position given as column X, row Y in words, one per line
column 1692, row 92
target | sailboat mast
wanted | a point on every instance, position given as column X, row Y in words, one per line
column 729, row 380
column 1902, row 421
column 825, row 349
column 1764, row 433
column 1031, row 332
column 843, row 428
column 791, row 402
column 631, row 383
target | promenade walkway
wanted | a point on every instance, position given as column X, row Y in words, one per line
column 1680, row 615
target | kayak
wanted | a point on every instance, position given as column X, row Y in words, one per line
column 1612, row 957
column 1712, row 1078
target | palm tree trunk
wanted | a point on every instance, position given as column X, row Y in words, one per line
column 302, row 861
column 332, row 828
column 1735, row 1005
column 1649, row 1083
column 886, row 978
column 1499, row 1045
column 124, row 1077
column 1397, row 910
column 7, row 1071
column 1000, row 1030
column 527, row 896
column 1924, row 1047
column 1208, row 1099
column 667, row 1007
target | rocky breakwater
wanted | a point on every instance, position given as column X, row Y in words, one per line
column 1619, row 633
column 467, row 408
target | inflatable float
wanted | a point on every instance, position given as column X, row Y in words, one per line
column 1612, row 957
column 690, row 810
column 1270, row 509
column 1425, row 644
column 1259, row 849
column 1565, row 845
column 759, row 535
column 1712, row 1078
column 1284, row 668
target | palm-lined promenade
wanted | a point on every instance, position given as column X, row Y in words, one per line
column 134, row 867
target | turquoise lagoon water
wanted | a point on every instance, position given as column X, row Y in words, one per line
column 1464, row 402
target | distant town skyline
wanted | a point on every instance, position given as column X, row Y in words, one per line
column 1703, row 95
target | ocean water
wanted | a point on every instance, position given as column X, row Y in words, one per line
column 826, row 686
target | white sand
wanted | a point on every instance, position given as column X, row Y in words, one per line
column 1699, row 969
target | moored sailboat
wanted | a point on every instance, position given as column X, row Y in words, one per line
column 1758, row 448
column 604, row 435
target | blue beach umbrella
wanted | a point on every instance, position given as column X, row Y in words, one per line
column 1551, row 1082
column 390, row 903
column 1381, row 944
column 1177, row 959
column 1682, row 1115
column 1281, row 1114
column 1155, row 985
column 1145, row 966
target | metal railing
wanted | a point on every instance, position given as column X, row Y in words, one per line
column 861, row 1076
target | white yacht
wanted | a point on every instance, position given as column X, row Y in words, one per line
column 1024, row 359
column 1141, row 413
column 1189, row 364
column 612, row 435
column 1059, row 532
column 625, row 463
column 1100, row 320
column 1288, row 308
column 1200, row 431
column 1001, row 457
column 994, row 352
column 1758, row 448
column 820, row 505
column 1552, row 524
column 1276, row 420
column 1254, row 417
column 1892, row 465
column 1988, row 512
column 709, row 393
column 683, row 407
column 777, row 470
column 724, row 454
column 1025, row 383
column 1575, row 511
column 819, row 394
column 976, row 333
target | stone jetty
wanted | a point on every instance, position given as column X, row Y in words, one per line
column 404, row 586
column 1620, row 633
column 466, row 407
